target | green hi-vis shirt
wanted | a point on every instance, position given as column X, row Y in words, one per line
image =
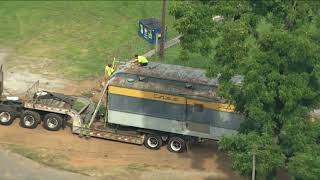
column 108, row 71
column 142, row 59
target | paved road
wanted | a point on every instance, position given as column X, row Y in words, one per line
column 16, row 167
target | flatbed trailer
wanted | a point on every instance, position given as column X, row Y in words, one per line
column 143, row 106
column 54, row 115
column 97, row 129
column 55, row 110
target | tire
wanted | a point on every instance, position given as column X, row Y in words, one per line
column 30, row 119
column 6, row 117
column 176, row 145
column 153, row 142
column 52, row 122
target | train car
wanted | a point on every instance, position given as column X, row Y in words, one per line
column 170, row 100
column 152, row 105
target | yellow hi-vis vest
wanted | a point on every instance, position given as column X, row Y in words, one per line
column 142, row 59
column 108, row 71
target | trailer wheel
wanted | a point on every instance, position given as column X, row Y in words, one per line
column 52, row 122
column 30, row 119
column 176, row 145
column 6, row 117
column 152, row 141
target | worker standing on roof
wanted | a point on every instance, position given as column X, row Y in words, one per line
column 143, row 61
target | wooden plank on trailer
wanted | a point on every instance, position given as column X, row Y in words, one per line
column 136, row 139
column 61, row 105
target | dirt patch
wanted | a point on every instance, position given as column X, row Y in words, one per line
column 17, row 82
column 89, row 86
column 103, row 158
column 109, row 159
column 13, row 166
column 3, row 55
column 18, row 78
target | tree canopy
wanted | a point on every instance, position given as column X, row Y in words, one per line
column 275, row 46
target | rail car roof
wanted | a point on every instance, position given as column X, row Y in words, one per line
column 169, row 71
column 167, row 78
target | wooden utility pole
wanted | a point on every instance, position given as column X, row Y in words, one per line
column 163, row 29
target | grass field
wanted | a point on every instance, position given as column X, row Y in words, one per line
column 74, row 39
column 53, row 160
column 172, row 56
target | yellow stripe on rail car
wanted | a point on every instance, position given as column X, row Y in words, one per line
column 169, row 98
column 212, row 105
column 147, row 95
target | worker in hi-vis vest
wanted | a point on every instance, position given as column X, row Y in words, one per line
column 143, row 61
column 108, row 70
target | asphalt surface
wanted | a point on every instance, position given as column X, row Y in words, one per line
column 16, row 167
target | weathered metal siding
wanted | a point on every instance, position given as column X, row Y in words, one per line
column 170, row 117
column 146, row 107
column 227, row 120
column 146, row 122
column 166, row 97
column 165, row 125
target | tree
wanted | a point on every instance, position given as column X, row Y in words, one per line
column 275, row 46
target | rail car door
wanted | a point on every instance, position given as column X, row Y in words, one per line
column 197, row 117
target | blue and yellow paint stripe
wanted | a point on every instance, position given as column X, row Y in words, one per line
column 169, row 98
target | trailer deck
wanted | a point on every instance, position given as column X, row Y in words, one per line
column 101, row 130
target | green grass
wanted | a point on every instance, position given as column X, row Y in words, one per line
column 78, row 106
column 48, row 158
column 172, row 56
column 56, row 160
column 87, row 94
column 75, row 39
column 60, row 161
